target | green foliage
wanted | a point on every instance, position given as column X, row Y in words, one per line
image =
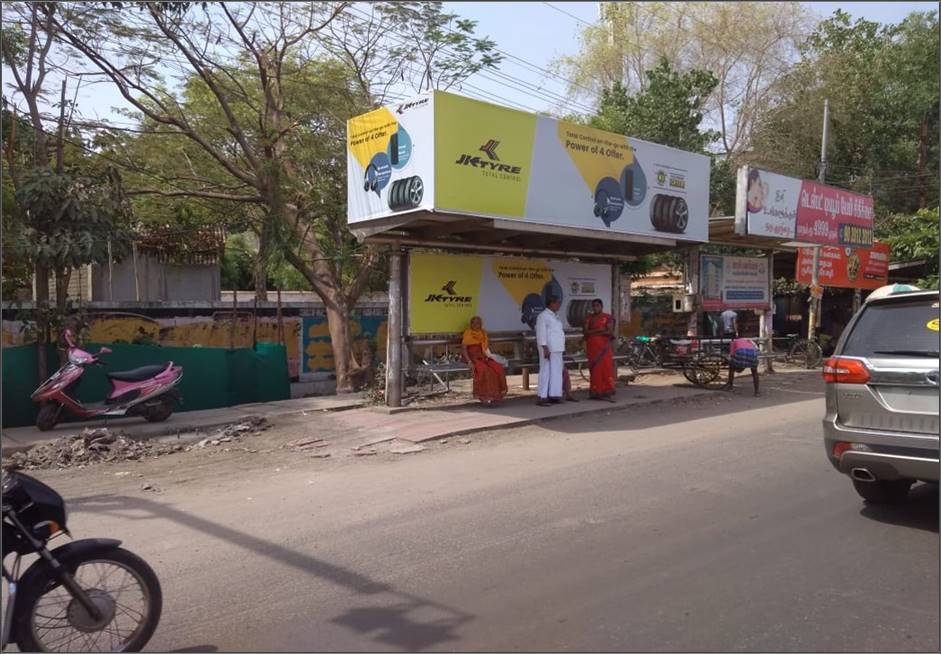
column 882, row 86
column 238, row 264
column 913, row 237
column 670, row 110
column 70, row 218
column 439, row 46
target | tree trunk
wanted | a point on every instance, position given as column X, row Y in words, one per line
column 341, row 340
column 42, row 304
column 261, row 264
column 63, row 277
column 923, row 163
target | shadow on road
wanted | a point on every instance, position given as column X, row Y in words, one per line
column 197, row 648
column 776, row 390
column 395, row 623
column 920, row 511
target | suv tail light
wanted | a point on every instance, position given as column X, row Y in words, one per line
column 838, row 370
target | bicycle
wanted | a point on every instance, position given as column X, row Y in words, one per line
column 801, row 351
column 642, row 352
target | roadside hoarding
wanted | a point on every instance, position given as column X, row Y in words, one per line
column 733, row 282
column 447, row 290
column 791, row 209
column 446, row 153
column 846, row 267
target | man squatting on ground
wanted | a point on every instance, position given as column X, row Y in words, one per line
column 743, row 355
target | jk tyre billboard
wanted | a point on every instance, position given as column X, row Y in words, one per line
column 790, row 209
column 479, row 159
column 508, row 293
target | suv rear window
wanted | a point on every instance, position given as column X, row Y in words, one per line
column 895, row 327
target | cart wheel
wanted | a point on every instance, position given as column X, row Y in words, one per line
column 706, row 371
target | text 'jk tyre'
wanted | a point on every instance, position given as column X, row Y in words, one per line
column 669, row 213
column 406, row 193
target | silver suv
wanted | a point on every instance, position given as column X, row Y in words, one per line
column 881, row 426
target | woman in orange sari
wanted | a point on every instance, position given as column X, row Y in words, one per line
column 489, row 377
column 599, row 335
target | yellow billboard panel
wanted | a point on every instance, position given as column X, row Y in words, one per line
column 483, row 156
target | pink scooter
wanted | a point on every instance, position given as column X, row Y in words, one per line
column 148, row 391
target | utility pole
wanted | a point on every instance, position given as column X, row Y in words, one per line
column 815, row 303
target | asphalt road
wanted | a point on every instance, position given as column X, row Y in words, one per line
column 705, row 525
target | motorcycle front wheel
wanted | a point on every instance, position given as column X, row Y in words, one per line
column 121, row 585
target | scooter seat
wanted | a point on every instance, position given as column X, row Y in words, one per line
column 138, row 374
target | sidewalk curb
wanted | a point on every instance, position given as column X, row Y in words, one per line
column 170, row 429
column 581, row 412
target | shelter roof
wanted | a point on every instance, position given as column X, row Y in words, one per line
column 467, row 232
column 722, row 232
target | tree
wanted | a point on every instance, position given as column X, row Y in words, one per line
column 66, row 213
column 882, row 87
column 914, row 237
column 746, row 45
column 670, row 111
column 262, row 112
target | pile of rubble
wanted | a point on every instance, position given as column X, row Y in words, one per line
column 251, row 426
column 99, row 445
column 103, row 445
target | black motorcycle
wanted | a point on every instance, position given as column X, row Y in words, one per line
column 85, row 596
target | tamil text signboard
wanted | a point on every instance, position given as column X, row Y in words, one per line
column 733, row 282
column 447, row 290
column 447, row 153
column 846, row 267
column 790, row 209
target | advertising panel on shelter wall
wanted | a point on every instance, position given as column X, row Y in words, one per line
column 733, row 282
column 791, row 209
column 390, row 160
column 479, row 159
column 846, row 267
column 508, row 293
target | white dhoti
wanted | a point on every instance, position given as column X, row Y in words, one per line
column 550, row 376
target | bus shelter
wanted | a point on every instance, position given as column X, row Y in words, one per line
column 488, row 211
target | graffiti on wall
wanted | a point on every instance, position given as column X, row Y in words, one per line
column 307, row 338
column 202, row 331
column 369, row 341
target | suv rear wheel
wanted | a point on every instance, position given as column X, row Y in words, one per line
column 883, row 490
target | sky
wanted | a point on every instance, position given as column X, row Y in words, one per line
column 530, row 35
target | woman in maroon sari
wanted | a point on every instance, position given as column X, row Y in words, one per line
column 489, row 377
column 599, row 336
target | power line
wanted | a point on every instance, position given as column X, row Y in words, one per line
column 498, row 50
column 570, row 15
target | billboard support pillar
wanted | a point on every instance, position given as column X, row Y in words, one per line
column 692, row 288
column 766, row 320
column 394, row 334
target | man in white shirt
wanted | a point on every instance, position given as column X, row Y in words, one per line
column 550, row 341
column 729, row 323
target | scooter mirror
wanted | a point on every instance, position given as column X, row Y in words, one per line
column 104, row 350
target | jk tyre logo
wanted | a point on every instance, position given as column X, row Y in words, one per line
column 490, row 149
column 489, row 165
column 451, row 297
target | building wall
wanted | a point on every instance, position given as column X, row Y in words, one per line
column 305, row 334
column 158, row 281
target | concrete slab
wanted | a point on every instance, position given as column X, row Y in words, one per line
column 419, row 426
